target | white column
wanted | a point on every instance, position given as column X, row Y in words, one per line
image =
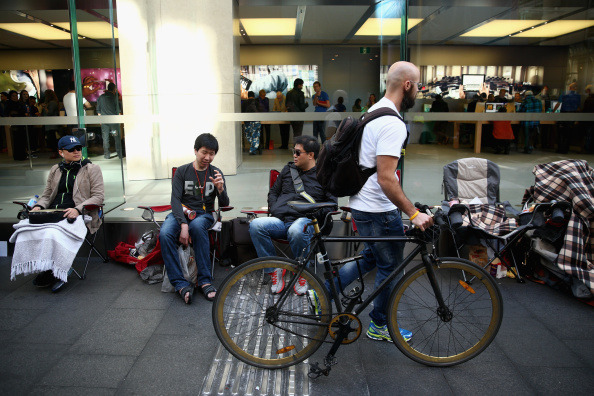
column 178, row 58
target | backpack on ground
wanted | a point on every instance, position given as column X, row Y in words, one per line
column 338, row 169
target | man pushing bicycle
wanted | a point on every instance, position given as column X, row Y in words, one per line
column 374, row 207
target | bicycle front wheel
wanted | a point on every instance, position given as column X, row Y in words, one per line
column 256, row 329
column 445, row 337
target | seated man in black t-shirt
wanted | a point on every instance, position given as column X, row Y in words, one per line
column 195, row 187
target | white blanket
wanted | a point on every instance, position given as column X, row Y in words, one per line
column 42, row 247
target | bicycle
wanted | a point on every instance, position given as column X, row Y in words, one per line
column 453, row 307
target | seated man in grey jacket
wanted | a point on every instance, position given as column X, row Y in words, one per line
column 71, row 184
column 286, row 223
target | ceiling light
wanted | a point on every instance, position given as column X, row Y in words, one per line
column 501, row 27
column 269, row 26
column 384, row 27
column 557, row 28
column 95, row 30
column 37, row 31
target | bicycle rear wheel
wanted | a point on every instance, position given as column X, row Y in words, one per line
column 475, row 311
column 256, row 332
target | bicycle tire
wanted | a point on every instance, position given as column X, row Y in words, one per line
column 476, row 307
column 240, row 309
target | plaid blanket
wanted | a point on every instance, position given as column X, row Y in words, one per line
column 490, row 218
column 571, row 181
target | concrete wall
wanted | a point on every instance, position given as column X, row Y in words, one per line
column 349, row 72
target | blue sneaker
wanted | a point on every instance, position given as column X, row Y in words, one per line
column 378, row 333
column 314, row 303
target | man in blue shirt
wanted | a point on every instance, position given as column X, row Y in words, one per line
column 570, row 103
column 321, row 101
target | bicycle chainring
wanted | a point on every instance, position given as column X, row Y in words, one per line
column 352, row 323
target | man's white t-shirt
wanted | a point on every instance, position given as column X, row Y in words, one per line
column 382, row 136
column 70, row 104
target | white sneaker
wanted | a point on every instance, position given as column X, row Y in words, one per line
column 278, row 280
column 300, row 286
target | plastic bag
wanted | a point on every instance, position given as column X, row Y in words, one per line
column 189, row 269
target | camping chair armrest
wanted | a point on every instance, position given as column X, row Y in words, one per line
column 226, row 208
column 255, row 213
column 23, row 204
column 156, row 209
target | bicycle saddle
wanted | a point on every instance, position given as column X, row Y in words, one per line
column 306, row 208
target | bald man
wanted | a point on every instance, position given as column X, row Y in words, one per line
column 374, row 207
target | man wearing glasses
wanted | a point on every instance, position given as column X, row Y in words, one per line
column 284, row 222
column 71, row 184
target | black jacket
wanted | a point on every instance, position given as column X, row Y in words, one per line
column 283, row 191
column 296, row 101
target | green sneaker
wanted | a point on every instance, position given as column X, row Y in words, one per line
column 378, row 333
column 382, row 334
column 314, row 303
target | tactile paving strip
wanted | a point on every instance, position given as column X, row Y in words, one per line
column 230, row 376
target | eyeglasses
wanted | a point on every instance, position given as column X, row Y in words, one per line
column 419, row 85
column 73, row 149
column 297, row 152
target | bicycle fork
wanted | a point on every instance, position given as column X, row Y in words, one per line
column 443, row 311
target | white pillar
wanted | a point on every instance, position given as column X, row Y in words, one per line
column 178, row 58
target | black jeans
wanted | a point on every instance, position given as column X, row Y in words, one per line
column 297, row 128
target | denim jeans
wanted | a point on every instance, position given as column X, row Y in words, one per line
column 169, row 239
column 318, row 130
column 105, row 133
column 264, row 229
column 383, row 255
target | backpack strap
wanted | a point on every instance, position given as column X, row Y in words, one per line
column 382, row 111
column 299, row 188
column 368, row 117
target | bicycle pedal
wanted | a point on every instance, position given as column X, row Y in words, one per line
column 354, row 292
column 315, row 371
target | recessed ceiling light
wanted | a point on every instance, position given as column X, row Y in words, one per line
column 332, row 58
column 502, row 27
column 384, row 26
column 39, row 31
column 558, row 28
column 269, row 26
column 96, row 30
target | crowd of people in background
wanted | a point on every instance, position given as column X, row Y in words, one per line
column 27, row 141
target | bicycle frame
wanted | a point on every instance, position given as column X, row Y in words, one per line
column 318, row 245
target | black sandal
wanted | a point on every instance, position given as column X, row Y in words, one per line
column 182, row 294
column 206, row 290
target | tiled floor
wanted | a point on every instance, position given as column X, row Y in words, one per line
column 114, row 334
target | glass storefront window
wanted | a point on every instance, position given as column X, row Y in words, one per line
column 39, row 61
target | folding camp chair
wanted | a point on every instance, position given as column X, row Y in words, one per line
column 89, row 238
column 465, row 181
column 214, row 240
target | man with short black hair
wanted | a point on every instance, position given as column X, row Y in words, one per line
column 296, row 103
column 321, row 102
column 194, row 188
column 286, row 223
column 109, row 104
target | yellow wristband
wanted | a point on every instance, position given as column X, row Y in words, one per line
column 413, row 216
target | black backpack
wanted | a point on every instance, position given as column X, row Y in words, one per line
column 338, row 169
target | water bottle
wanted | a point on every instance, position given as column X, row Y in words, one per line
column 32, row 202
column 190, row 214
